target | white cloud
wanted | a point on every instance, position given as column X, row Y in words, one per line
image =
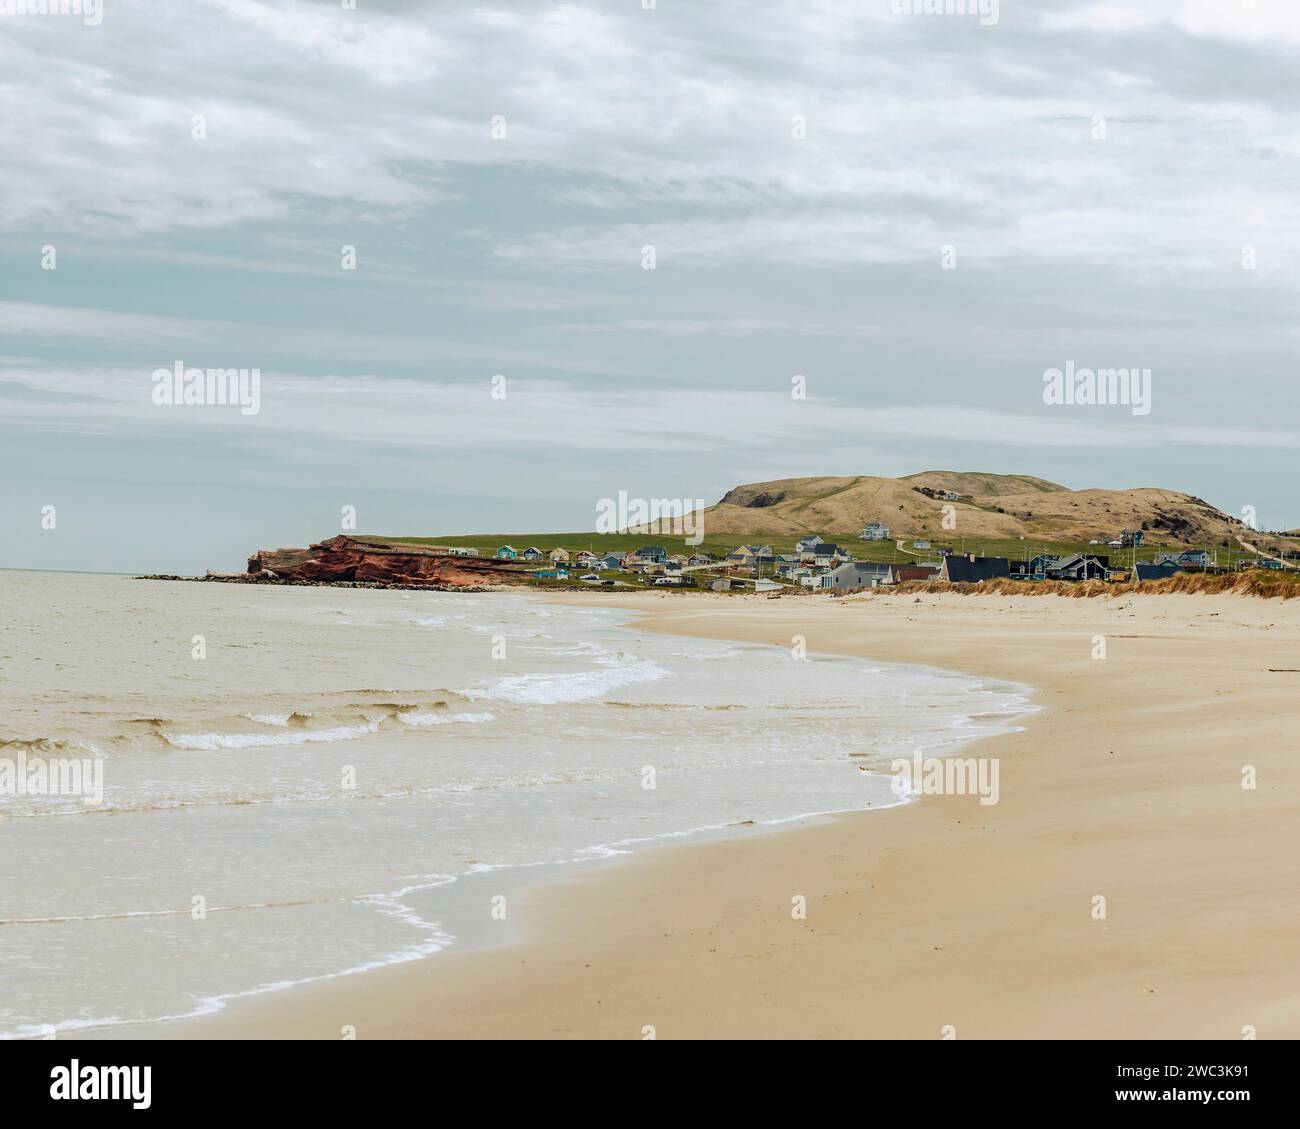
column 1249, row 21
column 920, row 132
column 544, row 416
column 204, row 342
column 33, row 319
column 720, row 327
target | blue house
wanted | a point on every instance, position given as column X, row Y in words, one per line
column 656, row 554
column 508, row 552
column 1039, row 565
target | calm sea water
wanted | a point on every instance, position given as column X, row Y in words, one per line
column 349, row 778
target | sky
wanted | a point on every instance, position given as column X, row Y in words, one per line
column 918, row 215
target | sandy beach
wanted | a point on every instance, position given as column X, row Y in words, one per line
column 940, row 915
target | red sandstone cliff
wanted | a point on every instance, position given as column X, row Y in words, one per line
column 345, row 558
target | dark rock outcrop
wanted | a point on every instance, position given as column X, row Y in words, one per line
column 743, row 497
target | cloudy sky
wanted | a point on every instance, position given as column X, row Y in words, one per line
column 1113, row 183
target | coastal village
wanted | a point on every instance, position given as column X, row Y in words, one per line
column 817, row 564
column 934, row 528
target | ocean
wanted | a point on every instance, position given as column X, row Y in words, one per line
column 302, row 783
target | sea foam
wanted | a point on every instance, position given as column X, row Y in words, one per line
column 266, row 740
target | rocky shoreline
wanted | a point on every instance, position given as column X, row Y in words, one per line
column 347, row 562
column 244, row 578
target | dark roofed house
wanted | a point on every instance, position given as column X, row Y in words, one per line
column 1080, row 566
column 823, row 552
column 969, row 569
column 655, row 553
column 904, row 573
column 1161, row 571
column 827, row 552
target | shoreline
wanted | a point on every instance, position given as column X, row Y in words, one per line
column 927, row 914
column 1011, row 702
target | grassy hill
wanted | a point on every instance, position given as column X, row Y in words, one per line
column 991, row 506
column 1013, row 516
column 976, row 482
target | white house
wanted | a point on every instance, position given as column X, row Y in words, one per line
column 874, row 531
column 827, row 554
column 856, row 574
